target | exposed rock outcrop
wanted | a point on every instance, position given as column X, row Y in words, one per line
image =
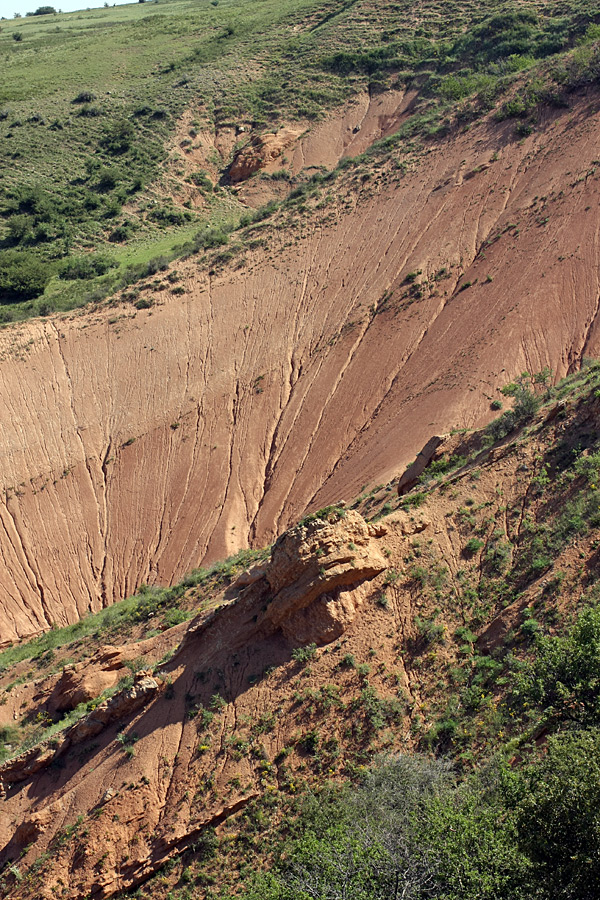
column 302, row 590
column 424, row 458
column 259, row 151
column 122, row 704
column 344, row 398
column 75, row 687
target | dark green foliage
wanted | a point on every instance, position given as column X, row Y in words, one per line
column 84, row 97
column 89, row 111
column 472, row 546
column 107, row 178
column 304, row 654
column 410, row 831
column 118, row 137
column 169, row 215
column 23, row 276
column 563, row 679
column 429, row 631
column 527, row 395
column 201, row 179
column 556, row 806
column 442, row 466
column 521, row 33
column 121, row 233
column 84, row 267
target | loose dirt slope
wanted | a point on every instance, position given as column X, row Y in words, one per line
column 247, row 709
column 134, row 446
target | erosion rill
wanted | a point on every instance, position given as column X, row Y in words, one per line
column 300, row 454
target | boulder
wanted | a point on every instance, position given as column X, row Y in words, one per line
column 77, row 686
column 307, row 590
column 416, row 469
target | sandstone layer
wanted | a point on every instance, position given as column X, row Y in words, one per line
column 245, row 708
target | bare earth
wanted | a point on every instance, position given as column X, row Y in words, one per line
column 135, row 445
column 94, row 819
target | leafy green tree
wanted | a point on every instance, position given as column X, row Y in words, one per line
column 563, row 679
column 22, row 276
column 410, row 832
column 557, row 804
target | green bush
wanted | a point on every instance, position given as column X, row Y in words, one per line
column 23, row 276
column 84, row 97
column 563, row 677
column 84, row 267
column 118, row 137
column 408, row 831
column 304, row 654
column 201, row 179
column 556, row 805
column 473, row 545
column 169, row 215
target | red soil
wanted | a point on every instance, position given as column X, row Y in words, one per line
column 136, row 445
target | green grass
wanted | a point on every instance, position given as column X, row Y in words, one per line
column 148, row 602
column 89, row 102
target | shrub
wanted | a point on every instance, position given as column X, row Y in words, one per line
column 23, row 276
column 118, row 137
column 84, row 267
column 429, row 630
column 84, row 97
column 157, row 264
column 108, row 178
column 407, row 831
column 121, row 233
column 169, row 215
column 201, row 179
column 88, row 111
column 304, row 654
column 563, row 677
column 556, row 802
column 20, row 229
column 473, row 545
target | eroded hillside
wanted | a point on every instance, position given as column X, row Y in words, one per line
column 348, row 639
column 376, row 310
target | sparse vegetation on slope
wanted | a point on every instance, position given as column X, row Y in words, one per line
column 400, row 705
column 93, row 200
column 471, row 670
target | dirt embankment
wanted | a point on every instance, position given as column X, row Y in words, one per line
column 134, row 446
column 312, row 588
column 245, row 708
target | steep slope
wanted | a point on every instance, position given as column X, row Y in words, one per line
column 415, row 617
column 135, row 444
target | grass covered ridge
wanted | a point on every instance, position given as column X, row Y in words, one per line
column 87, row 204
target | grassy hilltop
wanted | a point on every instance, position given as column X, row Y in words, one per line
column 91, row 145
